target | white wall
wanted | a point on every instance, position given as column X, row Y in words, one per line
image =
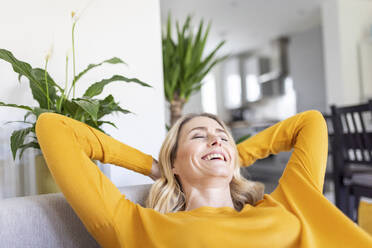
column 307, row 69
column 222, row 111
column 345, row 24
column 127, row 29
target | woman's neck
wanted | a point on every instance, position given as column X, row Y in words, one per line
column 217, row 196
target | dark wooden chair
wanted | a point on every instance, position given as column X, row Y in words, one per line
column 352, row 155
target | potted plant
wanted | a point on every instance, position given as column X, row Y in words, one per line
column 51, row 97
column 184, row 65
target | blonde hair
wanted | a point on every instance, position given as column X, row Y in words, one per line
column 166, row 194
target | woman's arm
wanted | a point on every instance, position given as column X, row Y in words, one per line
column 306, row 132
column 68, row 147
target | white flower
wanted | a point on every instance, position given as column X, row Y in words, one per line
column 50, row 52
column 76, row 15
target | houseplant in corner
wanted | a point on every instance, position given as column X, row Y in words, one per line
column 184, row 65
column 51, row 97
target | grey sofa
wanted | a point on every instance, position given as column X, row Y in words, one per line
column 49, row 221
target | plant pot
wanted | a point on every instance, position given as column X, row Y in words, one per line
column 44, row 181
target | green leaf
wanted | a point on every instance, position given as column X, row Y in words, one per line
column 195, row 88
column 69, row 108
column 28, row 145
column 22, row 68
column 209, row 58
column 39, row 75
column 171, row 83
column 108, row 106
column 90, row 106
column 59, row 102
column 123, row 111
column 17, row 138
column 37, row 83
column 8, row 122
column 186, row 54
column 107, row 122
column 27, row 114
column 38, row 111
column 113, row 60
column 16, row 106
column 97, row 88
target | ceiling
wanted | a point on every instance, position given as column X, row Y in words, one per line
column 246, row 24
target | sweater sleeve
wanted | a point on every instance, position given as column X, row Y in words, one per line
column 68, row 147
column 306, row 133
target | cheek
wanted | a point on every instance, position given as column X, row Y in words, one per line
column 183, row 156
column 186, row 158
column 187, row 152
column 234, row 155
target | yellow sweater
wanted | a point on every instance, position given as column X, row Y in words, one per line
column 296, row 214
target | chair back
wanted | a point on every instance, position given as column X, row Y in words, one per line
column 352, row 127
column 352, row 155
column 328, row 119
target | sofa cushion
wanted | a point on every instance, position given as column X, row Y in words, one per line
column 49, row 221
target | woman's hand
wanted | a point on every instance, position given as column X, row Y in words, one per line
column 155, row 170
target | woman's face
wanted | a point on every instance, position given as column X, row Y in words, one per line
column 204, row 151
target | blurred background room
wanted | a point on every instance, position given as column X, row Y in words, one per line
column 282, row 57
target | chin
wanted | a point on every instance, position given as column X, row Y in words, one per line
column 221, row 173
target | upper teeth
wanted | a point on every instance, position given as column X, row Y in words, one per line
column 214, row 155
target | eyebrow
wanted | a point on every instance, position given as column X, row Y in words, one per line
column 205, row 129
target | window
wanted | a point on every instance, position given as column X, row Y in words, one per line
column 232, row 84
column 253, row 89
column 208, row 93
column 234, row 91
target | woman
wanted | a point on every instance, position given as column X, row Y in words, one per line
column 200, row 200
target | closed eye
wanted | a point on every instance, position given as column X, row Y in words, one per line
column 198, row 137
column 201, row 137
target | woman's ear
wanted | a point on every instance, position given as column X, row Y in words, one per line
column 175, row 171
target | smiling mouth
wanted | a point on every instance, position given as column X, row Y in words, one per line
column 214, row 156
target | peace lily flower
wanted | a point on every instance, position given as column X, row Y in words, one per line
column 75, row 17
column 49, row 53
column 47, row 57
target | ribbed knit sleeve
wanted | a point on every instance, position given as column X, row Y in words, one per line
column 68, row 147
column 306, row 133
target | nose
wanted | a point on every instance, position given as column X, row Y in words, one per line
column 214, row 141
